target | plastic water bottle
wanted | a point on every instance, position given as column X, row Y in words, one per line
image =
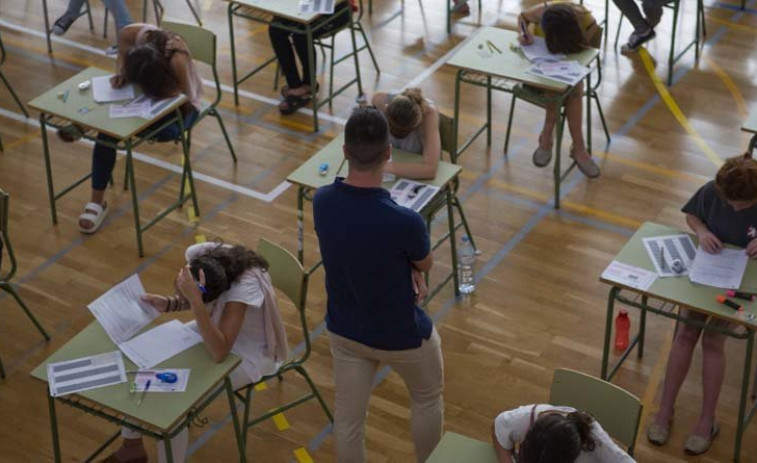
column 466, row 264
column 622, row 328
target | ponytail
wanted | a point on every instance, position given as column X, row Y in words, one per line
column 583, row 421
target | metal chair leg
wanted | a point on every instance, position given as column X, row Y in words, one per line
column 304, row 374
column 509, row 124
column 359, row 27
column 215, row 114
column 13, row 94
column 9, row 289
column 458, row 205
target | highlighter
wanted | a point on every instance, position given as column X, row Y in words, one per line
column 722, row 299
column 739, row 295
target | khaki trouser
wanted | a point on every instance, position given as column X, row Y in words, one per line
column 355, row 366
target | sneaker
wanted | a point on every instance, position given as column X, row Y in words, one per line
column 63, row 23
column 636, row 40
column 460, row 6
column 111, row 50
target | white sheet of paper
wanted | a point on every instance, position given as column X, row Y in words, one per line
column 141, row 378
column 117, row 111
column 159, row 344
column 85, row 373
column 567, row 72
column 722, row 270
column 317, row 6
column 102, row 92
column 629, row 275
column 663, row 250
column 538, row 51
column 121, row 312
column 412, row 194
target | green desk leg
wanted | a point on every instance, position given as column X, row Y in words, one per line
column 452, row 241
column 238, row 432
column 48, row 167
column 185, row 146
column 608, row 330
column 370, row 6
column 169, row 451
column 557, row 173
column 642, row 326
column 54, row 428
column 449, row 17
column 47, row 26
column 301, row 224
column 744, row 392
column 355, row 57
column 488, row 110
column 311, row 72
column 134, row 197
column 588, row 112
column 230, row 13
column 456, row 118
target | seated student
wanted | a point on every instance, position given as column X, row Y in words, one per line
column 299, row 90
column 549, row 434
column 414, row 127
column 117, row 8
column 159, row 62
column 722, row 211
column 234, row 305
column 567, row 28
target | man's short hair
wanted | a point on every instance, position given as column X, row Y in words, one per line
column 366, row 138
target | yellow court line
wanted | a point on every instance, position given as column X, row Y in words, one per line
column 302, row 455
column 281, row 422
column 261, row 387
column 672, row 173
column 730, row 85
column 733, row 25
column 21, row 141
column 674, row 109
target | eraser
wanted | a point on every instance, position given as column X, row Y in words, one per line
column 84, row 85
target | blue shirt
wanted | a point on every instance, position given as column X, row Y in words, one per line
column 367, row 244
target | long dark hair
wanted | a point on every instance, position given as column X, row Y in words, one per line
column 562, row 33
column 557, row 438
column 222, row 266
column 148, row 65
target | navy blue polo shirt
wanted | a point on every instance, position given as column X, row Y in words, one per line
column 367, row 243
column 733, row 227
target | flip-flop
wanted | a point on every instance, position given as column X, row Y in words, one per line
column 95, row 217
column 70, row 133
column 292, row 103
column 285, row 90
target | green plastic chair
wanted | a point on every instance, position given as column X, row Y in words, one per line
column 6, row 276
column 202, row 46
column 289, row 277
column 616, row 409
column 8, row 85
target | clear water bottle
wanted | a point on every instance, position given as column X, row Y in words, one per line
column 466, row 265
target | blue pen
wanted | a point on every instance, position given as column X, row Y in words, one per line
column 144, row 391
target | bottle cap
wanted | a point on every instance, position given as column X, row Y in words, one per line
column 623, row 312
column 465, row 238
column 730, row 293
column 720, row 298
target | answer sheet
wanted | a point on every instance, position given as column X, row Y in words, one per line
column 103, row 92
column 722, row 270
column 159, row 344
column 85, row 373
column 120, row 310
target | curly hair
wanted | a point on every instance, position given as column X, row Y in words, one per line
column 736, row 179
column 562, row 33
column 557, row 438
column 222, row 266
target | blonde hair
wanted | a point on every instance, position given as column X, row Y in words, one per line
column 737, row 178
column 405, row 112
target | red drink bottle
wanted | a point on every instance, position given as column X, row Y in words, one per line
column 622, row 327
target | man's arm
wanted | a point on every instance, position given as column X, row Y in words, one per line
column 425, row 264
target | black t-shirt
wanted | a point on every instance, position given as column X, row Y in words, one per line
column 733, row 227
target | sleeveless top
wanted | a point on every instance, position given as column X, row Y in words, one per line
column 177, row 44
column 586, row 21
column 412, row 142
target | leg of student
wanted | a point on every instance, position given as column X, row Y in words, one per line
column 630, row 10
column 74, row 8
column 301, row 43
column 121, row 14
column 546, row 138
column 679, row 362
column 103, row 161
column 354, row 370
column 574, row 110
column 285, row 55
column 713, row 372
column 422, row 370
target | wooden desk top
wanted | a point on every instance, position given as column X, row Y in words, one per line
column 511, row 64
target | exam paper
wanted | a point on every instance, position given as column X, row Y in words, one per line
column 722, row 270
column 663, row 250
column 317, row 6
column 537, row 51
column 102, row 92
column 85, row 373
column 628, row 275
column 160, row 344
column 117, row 111
column 412, row 194
column 567, row 72
column 120, row 310
column 156, row 385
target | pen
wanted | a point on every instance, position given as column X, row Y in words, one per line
column 491, row 44
column 740, row 295
column 523, row 28
column 144, row 391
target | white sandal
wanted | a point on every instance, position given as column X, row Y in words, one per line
column 94, row 213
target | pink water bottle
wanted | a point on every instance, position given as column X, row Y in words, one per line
column 622, row 328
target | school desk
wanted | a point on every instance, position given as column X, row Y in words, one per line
column 308, row 179
column 264, row 12
column 161, row 415
column 499, row 70
column 65, row 103
column 682, row 293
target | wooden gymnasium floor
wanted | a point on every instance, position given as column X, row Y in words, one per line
column 539, row 305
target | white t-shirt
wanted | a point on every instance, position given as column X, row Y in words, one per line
column 251, row 341
column 511, row 428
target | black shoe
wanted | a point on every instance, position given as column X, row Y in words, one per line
column 637, row 40
column 63, row 23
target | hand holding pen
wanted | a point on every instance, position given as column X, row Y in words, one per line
column 524, row 37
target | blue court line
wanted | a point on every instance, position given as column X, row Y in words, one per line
column 736, row 8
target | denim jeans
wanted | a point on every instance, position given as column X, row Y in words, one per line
column 116, row 7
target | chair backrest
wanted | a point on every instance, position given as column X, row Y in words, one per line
column 202, row 45
column 287, row 274
column 617, row 410
column 4, row 201
column 447, row 134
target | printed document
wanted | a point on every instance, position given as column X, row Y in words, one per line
column 414, row 195
column 722, row 270
column 629, row 275
column 141, row 106
column 317, row 6
column 664, row 250
column 102, row 92
column 567, row 72
column 121, row 311
column 160, row 343
column 85, row 373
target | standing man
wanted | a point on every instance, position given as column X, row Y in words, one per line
column 375, row 253
column 643, row 25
